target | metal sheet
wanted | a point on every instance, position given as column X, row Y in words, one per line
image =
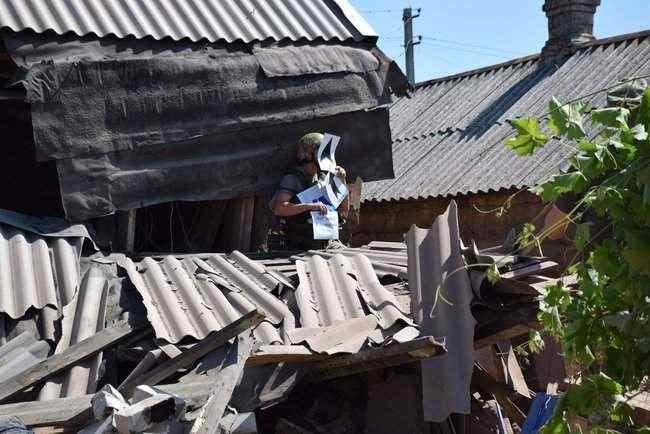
column 36, row 271
column 82, row 318
column 448, row 136
column 213, row 20
column 193, row 297
column 338, row 289
column 436, row 267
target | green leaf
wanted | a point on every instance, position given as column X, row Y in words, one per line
column 614, row 117
column 637, row 252
column 492, row 274
column 529, row 137
column 535, row 342
column 574, row 182
column 566, row 120
column 582, row 236
column 643, row 115
column 587, row 146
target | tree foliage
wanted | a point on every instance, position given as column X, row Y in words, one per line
column 604, row 324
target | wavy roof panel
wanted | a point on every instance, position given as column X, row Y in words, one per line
column 211, row 20
column 448, row 135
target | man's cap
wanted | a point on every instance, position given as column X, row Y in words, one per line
column 311, row 139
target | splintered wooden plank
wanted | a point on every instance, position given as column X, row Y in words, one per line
column 71, row 356
column 268, row 354
column 376, row 358
column 76, row 411
column 191, row 355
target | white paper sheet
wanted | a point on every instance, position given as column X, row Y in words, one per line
column 311, row 195
column 335, row 190
column 326, row 227
column 327, row 151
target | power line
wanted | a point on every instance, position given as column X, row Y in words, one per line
column 462, row 44
column 464, row 50
column 448, row 41
column 379, row 11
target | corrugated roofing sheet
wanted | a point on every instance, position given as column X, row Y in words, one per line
column 36, row 271
column 193, row 297
column 212, row 20
column 340, row 288
column 82, row 318
column 448, row 137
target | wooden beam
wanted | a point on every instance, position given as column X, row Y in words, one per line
column 76, row 411
column 191, row 355
column 268, row 354
column 126, row 230
column 71, row 356
column 376, row 358
column 514, row 323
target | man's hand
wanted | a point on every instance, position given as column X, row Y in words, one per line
column 340, row 172
column 318, row 207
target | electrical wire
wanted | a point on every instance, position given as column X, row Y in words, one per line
column 462, row 44
column 449, row 41
column 462, row 50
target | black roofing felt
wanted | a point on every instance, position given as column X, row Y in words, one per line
column 448, row 135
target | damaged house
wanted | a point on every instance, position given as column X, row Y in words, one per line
column 143, row 137
column 448, row 134
column 111, row 107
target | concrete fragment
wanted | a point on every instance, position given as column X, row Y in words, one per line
column 106, row 401
column 143, row 415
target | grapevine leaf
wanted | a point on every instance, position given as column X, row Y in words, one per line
column 582, row 236
column 529, row 137
column 566, row 119
column 574, row 182
column 614, row 117
column 587, row 146
column 492, row 274
column 637, row 252
column 536, row 342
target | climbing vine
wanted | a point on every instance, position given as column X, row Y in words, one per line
column 603, row 322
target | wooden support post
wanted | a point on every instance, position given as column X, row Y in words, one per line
column 59, row 362
column 261, row 224
column 237, row 225
column 126, row 231
column 191, row 355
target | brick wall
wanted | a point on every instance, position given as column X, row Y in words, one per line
column 388, row 221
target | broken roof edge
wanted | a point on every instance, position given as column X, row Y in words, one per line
column 533, row 57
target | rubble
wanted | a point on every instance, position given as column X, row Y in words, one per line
column 227, row 335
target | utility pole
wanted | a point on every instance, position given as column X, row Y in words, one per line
column 408, row 18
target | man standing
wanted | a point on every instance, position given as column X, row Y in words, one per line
column 285, row 203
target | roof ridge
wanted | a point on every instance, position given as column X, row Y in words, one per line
column 531, row 57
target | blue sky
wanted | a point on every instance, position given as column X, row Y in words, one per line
column 467, row 34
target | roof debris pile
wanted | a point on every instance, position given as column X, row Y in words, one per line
column 109, row 343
